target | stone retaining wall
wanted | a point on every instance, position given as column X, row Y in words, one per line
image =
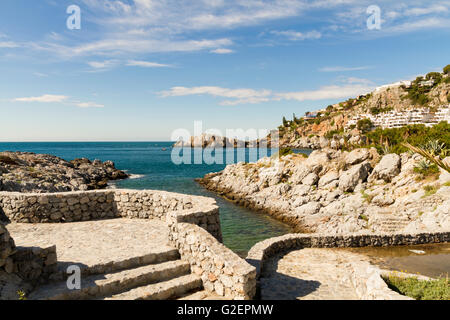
column 7, row 249
column 268, row 248
column 368, row 282
column 221, row 270
column 31, row 264
column 35, row 265
column 194, row 224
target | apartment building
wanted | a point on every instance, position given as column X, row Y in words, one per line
column 397, row 119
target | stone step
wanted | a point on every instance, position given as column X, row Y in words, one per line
column 163, row 254
column 170, row 289
column 94, row 286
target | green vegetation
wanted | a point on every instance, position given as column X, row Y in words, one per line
column 363, row 217
column 377, row 110
column 448, row 97
column 417, row 135
column 438, row 289
column 418, row 93
column 331, row 133
column 429, row 190
column 447, row 69
column 428, row 154
column 366, row 197
column 436, row 76
column 447, row 184
column 364, row 125
column 285, row 151
column 22, row 295
column 425, row 169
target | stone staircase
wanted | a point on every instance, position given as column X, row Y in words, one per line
column 157, row 276
column 389, row 224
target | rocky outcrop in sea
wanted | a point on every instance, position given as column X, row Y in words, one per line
column 213, row 141
column 30, row 172
column 340, row 192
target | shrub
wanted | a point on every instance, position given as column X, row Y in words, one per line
column 285, row 151
column 448, row 97
column 429, row 190
column 436, row 76
column 364, row 125
column 426, row 169
column 377, row 110
column 420, row 289
column 447, row 69
column 330, row 134
column 416, row 135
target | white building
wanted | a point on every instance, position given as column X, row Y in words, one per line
column 397, row 119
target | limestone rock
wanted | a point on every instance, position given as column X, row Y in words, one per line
column 357, row 156
column 328, row 178
column 388, row 168
column 308, row 209
column 350, row 178
column 311, row 179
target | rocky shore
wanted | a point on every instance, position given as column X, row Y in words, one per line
column 41, row 173
column 339, row 192
column 316, row 142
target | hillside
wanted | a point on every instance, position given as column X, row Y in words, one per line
column 431, row 91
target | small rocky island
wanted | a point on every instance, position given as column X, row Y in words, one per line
column 42, row 173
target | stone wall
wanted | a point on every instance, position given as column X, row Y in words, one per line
column 30, row 264
column 7, row 249
column 268, row 248
column 194, row 224
column 58, row 207
column 35, row 265
column 366, row 279
column 221, row 270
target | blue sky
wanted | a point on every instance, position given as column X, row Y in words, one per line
column 139, row 69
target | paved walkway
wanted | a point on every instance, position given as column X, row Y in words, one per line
column 94, row 242
column 310, row 274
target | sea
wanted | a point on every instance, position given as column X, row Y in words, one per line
column 151, row 167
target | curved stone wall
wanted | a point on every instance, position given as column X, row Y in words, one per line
column 194, row 224
column 367, row 281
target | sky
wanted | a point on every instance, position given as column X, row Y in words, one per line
column 137, row 70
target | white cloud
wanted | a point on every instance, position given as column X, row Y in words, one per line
column 8, row 44
column 146, row 64
column 426, row 23
column 44, row 98
column 103, row 64
column 296, row 36
column 89, row 105
column 123, row 45
column 50, row 98
column 40, row 74
column 342, row 69
column 222, row 51
column 438, row 8
column 327, row 92
column 349, row 87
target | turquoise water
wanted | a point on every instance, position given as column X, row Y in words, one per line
column 241, row 227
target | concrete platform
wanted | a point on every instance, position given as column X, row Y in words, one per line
column 98, row 243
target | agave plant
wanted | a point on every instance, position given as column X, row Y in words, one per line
column 427, row 155
column 434, row 147
column 424, row 164
column 386, row 148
